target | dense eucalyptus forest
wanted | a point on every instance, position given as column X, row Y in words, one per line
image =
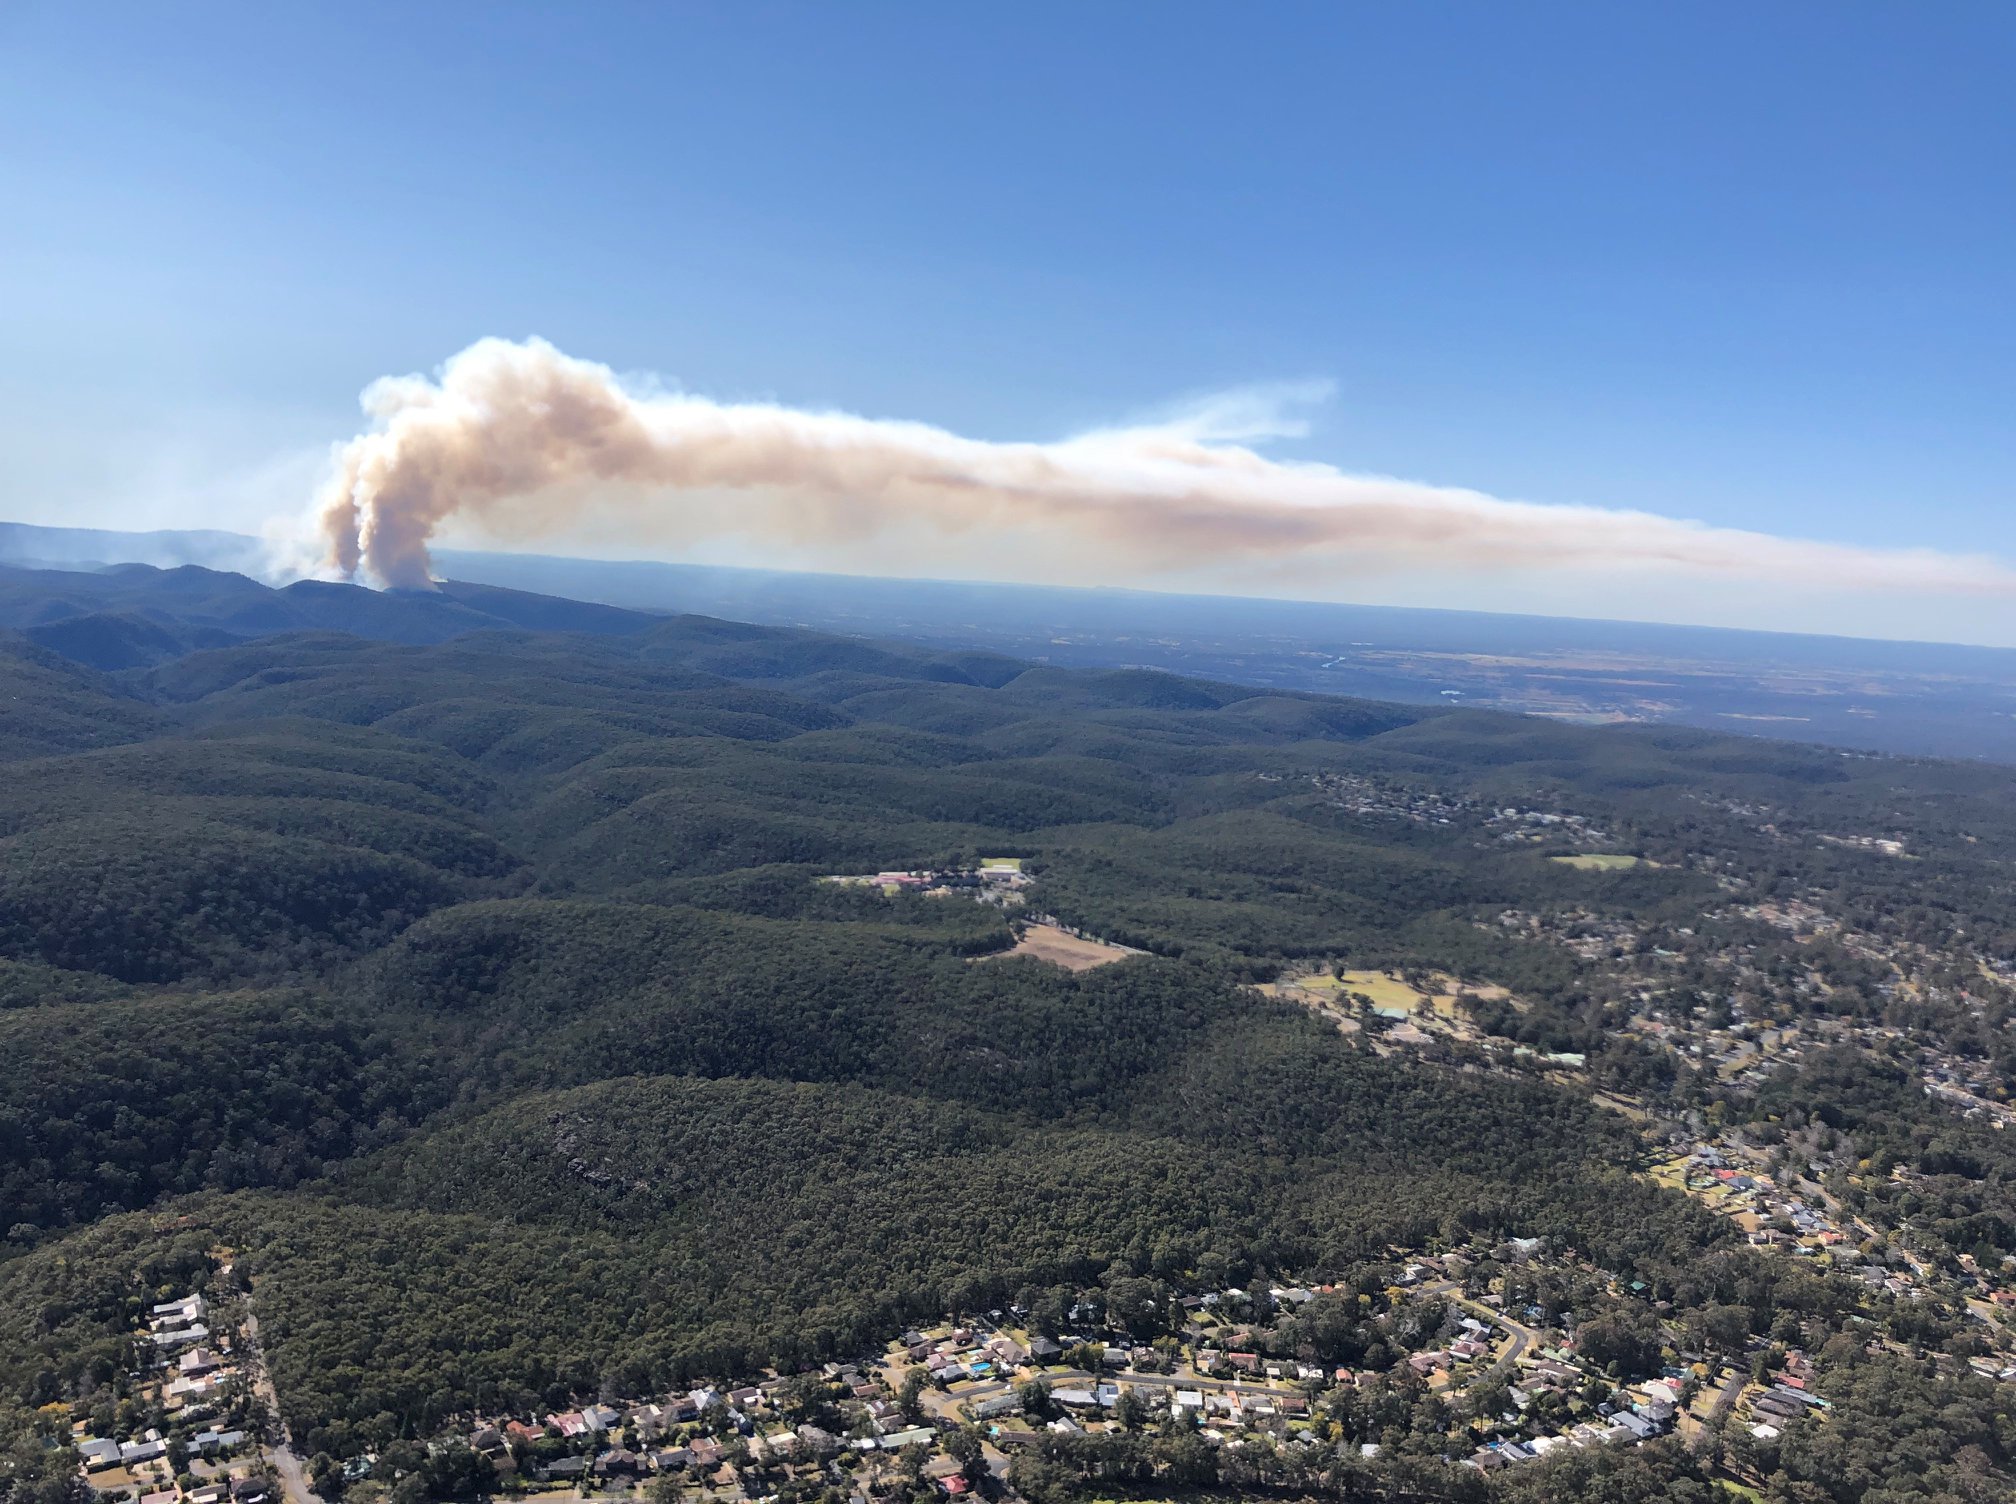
column 483, row 996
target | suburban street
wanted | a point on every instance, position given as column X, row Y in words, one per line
column 1523, row 1337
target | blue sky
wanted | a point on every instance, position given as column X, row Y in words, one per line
column 1754, row 265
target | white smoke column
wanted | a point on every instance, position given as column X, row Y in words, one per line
column 524, row 439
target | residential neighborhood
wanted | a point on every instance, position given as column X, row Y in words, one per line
column 193, row 1432
column 1510, row 1351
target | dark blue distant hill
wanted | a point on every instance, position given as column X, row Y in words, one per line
column 1911, row 697
column 135, row 615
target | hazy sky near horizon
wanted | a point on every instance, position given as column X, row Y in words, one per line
column 1752, row 265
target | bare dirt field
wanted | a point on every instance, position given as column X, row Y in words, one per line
column 1072, row 952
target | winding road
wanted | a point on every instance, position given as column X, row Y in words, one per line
column 1523, row 1337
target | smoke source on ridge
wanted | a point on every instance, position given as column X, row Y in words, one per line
column 526, row 441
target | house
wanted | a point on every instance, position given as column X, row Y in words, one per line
column 213, row 1494
column 818, row 1441
column 647, row 1422
column 954, row 1485
column 669, row 1458
column 184, row 1312
column 1244, row 1362
column 564, row 1467
column 598, row 1417
column 1797, row 1396
column 168, row 1341
column 250, row 1491
column 141, row 1451
column 99, row 1453
column 203, row 1443
column 197, row 1360
column 618, row 1461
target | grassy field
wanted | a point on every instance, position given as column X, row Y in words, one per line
column 1591, row 861
column 1672, row 1174
column 1385, row 991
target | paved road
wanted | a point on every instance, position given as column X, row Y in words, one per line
column 1522, row 1336
column 286, row 1465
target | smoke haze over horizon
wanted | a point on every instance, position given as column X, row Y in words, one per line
column 526, row 444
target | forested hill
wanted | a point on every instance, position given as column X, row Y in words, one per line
column 133, row 615
column 481, row 990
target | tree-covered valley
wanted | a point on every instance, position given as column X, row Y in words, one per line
column 486, row 996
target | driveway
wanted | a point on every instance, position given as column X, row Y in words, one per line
column 286, row 1465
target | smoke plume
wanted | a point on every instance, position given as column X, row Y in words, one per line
column 526, row 442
